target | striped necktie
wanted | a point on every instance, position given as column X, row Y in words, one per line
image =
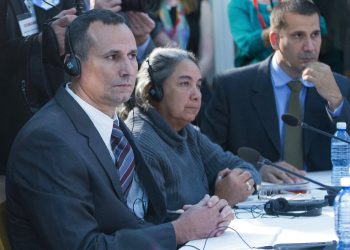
column 293, row 140
column 124, row 157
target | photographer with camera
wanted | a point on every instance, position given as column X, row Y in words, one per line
column 141, row 24
column 23, row 77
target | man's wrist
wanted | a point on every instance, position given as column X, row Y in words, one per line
column 179, row 232
column 140, row 40
column 334, row 105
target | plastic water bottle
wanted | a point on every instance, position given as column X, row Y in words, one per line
column 342, row 214
column 340, row 154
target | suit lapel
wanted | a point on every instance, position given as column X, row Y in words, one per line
column 263, row 100
column 84, row 126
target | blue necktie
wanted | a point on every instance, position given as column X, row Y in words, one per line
column 124, row 158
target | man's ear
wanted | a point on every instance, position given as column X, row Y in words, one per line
column 274, row 40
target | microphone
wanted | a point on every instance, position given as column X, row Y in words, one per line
column 295, row 122
column 252, row 156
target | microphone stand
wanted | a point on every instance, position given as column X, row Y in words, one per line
column 331, row 191
column 252, row 156
column 292, row 121
column 306, row 126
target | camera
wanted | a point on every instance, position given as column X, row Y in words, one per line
column 140, row 5
column 79, row 6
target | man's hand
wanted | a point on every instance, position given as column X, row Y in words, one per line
column 141, row 25
column 113, row 5
column 234, row 185
column 321, row 76
column 274, row 175
column 226, row 213
column 64, row 18
column 209, row 217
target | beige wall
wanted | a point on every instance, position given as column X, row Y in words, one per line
column 223, row 42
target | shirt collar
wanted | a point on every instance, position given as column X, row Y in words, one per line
column 281, row 78
column 101, row 121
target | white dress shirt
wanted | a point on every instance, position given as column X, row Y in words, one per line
column 137, row 199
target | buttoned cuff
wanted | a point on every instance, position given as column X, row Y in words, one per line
column 336, row 112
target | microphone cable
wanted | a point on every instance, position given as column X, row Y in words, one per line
column 256, row 211
column 238, row 234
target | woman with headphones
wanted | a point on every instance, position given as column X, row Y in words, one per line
column 185, row 163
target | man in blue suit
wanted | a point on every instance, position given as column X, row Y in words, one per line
column 63, row 184
column 248, row 103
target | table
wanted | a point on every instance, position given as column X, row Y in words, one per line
column 270, row 230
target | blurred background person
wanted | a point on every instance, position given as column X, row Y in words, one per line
column 184, row 162
column 188, row 25
column 250, row 28
column 24, row 83
column 335, row 49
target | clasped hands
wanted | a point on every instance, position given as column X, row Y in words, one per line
column 209, row 217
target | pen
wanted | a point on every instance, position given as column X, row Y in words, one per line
column 179, row 211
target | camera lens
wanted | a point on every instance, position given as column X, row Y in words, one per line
column 141, row 5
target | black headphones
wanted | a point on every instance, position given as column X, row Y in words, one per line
column 72, row 63
column 281, row 206
column 156, row 92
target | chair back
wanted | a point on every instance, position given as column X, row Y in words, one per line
column 4, row 242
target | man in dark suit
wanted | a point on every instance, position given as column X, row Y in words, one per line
column 248, row 102
column 65, row 180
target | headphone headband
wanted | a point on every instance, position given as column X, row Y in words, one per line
column 72, row 63
column 156, row 92
column 295, row 208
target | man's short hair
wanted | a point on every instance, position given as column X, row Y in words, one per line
column 301, row 7
column 80, row 41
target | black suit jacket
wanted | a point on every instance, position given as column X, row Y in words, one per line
column 63, row 189
column 243, row 112
column 21, row 65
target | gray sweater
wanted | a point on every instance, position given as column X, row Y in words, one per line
column 185, row 164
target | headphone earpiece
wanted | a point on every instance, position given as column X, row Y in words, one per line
column 156, row 93
column 273, row 207
column 281, row 206
column 72, row 66
column 72, row 62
